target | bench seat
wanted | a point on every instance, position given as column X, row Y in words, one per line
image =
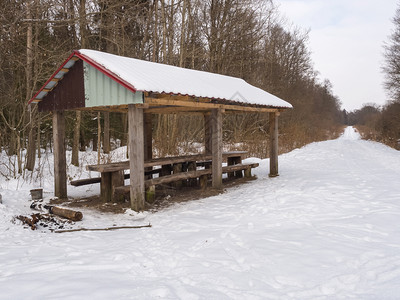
column 123, row 190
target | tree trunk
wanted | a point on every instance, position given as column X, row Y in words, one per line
column 106, row 138
column 31, row 151
column 182, row 42
column 98, row 137
column 75, row 143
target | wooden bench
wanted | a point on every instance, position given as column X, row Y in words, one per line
column 112, row 174
column 201, row 174
column 86, row 181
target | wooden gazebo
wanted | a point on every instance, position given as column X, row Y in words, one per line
column 93, row 80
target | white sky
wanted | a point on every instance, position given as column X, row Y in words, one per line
column 346, row 41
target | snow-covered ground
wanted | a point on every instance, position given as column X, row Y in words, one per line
column 326, row 228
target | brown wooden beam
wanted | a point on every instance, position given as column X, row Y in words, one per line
column 60, row 161
column 203, row 105
column 216, row 129
column 174, row 110
column 136, row 157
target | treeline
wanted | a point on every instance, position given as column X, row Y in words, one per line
column 383, row 123
column 380, row 124
column 242, row 38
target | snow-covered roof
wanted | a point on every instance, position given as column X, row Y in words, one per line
column 160, row 78
column 145, row 76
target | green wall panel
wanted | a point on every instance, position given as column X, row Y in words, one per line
column 101, row 90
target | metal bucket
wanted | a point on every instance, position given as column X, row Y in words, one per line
column 37, row 194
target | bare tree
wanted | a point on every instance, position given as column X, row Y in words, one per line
column 391, row 68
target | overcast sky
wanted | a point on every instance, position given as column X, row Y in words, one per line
column 346, row 39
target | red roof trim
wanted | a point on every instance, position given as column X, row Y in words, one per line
column 105, row 71
column 51, row 77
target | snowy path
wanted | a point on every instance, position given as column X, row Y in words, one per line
column 326, row 228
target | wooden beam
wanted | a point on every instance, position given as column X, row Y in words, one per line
column 60, row 161
column 174, row 110
column 207, row 105
column 216, row 130
column 136, row 157
column 273, row 133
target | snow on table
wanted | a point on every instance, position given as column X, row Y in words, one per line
column 326, row 228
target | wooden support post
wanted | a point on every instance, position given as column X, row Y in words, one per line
column 177, row 168
column 207, row 134
column 136, row 157
column 117, row 179
column 151, row 194
column 105, row 186
column 247, row 173
column 216, row 129
column 203, row 181
column 234, row 160
column 60, row 162
column 273, row 133
column 192, row 167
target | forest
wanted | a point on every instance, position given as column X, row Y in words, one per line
column 247, row 39
column 383, row 123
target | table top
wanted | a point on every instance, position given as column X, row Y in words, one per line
column 124, row 165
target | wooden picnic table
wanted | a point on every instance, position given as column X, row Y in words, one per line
column 112, row 174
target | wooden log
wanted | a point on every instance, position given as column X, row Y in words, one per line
column 66, row 213
column 247, row 173
column 80, row 182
